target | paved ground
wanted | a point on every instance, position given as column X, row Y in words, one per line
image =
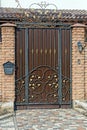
column 45, row 119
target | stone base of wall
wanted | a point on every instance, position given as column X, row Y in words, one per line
column 6, row 107
column 81, row 106
column 80, row 103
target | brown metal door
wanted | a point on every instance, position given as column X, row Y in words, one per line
column 43, row 66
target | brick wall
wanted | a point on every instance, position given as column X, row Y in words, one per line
column 85, row 85
column 7, row 53
column 0, row 72
column 78, row 63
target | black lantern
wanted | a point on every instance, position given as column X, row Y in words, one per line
column 8, row 68
column 80, row 47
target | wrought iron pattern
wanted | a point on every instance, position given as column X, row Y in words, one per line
column 43, row 85
column 43, row 5
column 42, row 14
column 65, row 89
column 20, row 90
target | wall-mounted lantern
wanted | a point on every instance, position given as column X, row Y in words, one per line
column 80, row 47
column 9, row 68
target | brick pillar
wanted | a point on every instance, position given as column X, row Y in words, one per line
column 85, row 70
column 78, row 63
column 0, row 71
column 7, row 54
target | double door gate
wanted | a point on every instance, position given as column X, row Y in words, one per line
column 43, row 67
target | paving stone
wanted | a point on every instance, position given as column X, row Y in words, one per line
column 45, row 119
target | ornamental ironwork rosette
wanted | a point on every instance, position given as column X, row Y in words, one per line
column 39, row 12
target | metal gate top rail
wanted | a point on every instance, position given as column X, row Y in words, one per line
column 49, row 25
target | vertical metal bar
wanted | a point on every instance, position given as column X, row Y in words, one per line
column 21, row 52
column 26, row 65
column 33, row 48
column 36, row 44
column 71, row 67
column 46, row 48
column 65, row 46
column 54, row 48
column 41, row 46
column 50, row 48
column 60, row 67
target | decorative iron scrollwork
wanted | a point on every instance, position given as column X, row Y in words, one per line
column 30, row 85
column 20, row 90
column 43, row 86
column 49, row 84
column 55, row 76
column 23, row 82
column 43, row 5
column 55, row 95
column 44, row 81
column 32, row 76
column 38, row 85
column 33, row 88
column 48, row 77
column 56, row 86
column 32, row 96
column 31, row 79
column 65, row 89
column 39, row 77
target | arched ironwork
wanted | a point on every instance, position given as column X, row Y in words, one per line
column 43, row 80
column 43, row 5
column 41, row 14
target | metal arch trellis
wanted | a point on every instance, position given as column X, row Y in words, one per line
column 30, row 16
column 42, row 5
